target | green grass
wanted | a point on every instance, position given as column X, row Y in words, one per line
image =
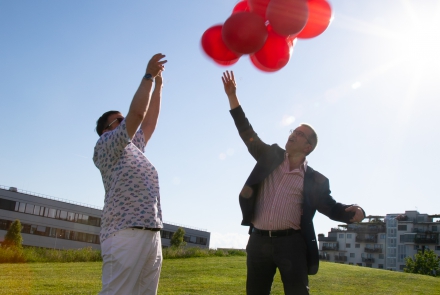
column 210, row 275
column 35, row 254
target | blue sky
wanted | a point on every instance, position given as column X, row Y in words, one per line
column 368, row 84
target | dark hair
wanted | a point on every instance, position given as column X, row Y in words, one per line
column 102, row 121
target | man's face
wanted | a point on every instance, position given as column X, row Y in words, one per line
column 299, row 141
column 113, row 121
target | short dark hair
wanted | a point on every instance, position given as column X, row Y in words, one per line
column 102, row 121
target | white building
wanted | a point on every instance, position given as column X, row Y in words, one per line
column 55, row 223
column 381, row 242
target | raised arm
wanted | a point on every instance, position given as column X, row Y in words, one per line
column 230, row 89
column 254, row 144
column 150, row 121
column 141, row 100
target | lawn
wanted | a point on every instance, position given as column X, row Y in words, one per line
column 210, row 275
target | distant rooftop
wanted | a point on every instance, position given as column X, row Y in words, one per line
column 14, row 189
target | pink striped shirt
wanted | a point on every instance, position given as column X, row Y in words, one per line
column 280, row 198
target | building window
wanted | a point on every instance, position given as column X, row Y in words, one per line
column 381, row 256
column 341, row 236
column 51, row 213
column 382, row 236
column 348, row 245
column 434, row 228
column 348, row 236
column 380, row 266
column 401, row 267
column 359, row 264
column 7, row 205
column 52, row 232
column 368, row 265
column 21, row 207
column 352, row 254
column 357, row 245
column 402, row 227
column 29, row 209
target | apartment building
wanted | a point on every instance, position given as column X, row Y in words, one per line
column 60, row 224
column 383, row 241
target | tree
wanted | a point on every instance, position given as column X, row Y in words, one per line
column 177, row 238
column 425, row 263
column 13, row 237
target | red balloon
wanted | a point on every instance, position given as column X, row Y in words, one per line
column 226, row 63
column 292, row 39
column 320, row 14
column 244, row 32
column 241, row 6
column 287, row 17
column 275, row 53
column 259, row 7
column 215, row 48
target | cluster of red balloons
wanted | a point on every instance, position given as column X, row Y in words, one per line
column 266, row 30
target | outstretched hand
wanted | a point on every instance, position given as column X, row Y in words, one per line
column 156, row 65
column 358, row 213
column 229, row 83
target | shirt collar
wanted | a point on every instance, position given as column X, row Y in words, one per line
column 303, row 166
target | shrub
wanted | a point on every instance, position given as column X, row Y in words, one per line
column 177, row 238
column 13, row 237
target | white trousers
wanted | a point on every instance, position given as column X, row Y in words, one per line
column 132, row 260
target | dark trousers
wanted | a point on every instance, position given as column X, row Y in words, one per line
column 266, row 254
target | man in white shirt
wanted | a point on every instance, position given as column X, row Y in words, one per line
column 132, row 217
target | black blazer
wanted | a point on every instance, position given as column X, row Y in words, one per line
column 316, row 188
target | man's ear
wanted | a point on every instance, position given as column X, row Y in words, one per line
column 308, row 149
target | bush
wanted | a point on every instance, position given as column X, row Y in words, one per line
column 34, row 254
column 177, row 238
column 11, row 255
column 174, row 253
column 13, row 237
column 425, row 263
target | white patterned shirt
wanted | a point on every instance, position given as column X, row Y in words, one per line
column 280, row 198
column 131, row 182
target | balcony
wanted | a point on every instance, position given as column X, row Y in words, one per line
column 373, row 250
column 330, row 248
column 366, row 239
column 371, row 229
column 428, row 238
column 367, row 260
column 324, row 257
column 327, row 239
column 340, row 258
column 425, row 240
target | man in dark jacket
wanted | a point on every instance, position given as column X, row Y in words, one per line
column 278, row 203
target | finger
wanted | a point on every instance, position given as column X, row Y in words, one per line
column 232, row 74
column 158, row 56
column 228, row 75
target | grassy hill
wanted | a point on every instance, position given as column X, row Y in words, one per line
column 211, row 275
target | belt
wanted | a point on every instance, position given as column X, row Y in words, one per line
column 275, row 233
column 146, row 228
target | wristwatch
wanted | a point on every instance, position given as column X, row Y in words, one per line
column 149, row 77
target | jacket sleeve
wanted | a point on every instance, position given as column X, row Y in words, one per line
column 255, row 145
column 325, row 203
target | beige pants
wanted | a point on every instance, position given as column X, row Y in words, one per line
column 132, row 260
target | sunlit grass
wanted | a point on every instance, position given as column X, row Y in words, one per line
column 208, row 275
